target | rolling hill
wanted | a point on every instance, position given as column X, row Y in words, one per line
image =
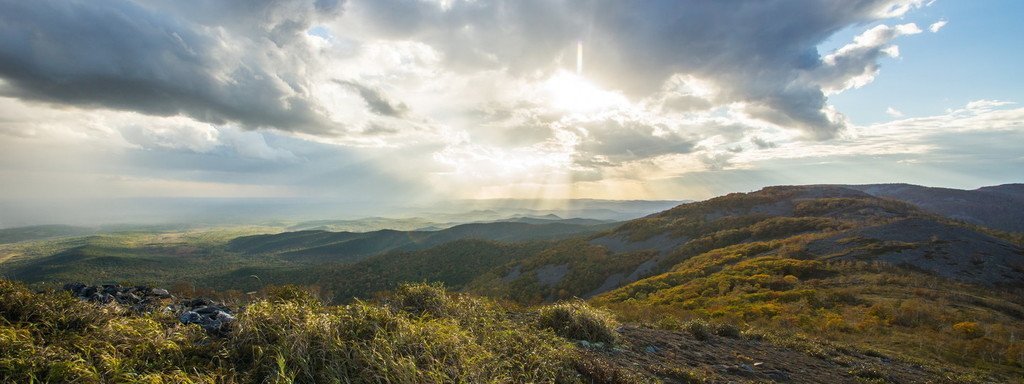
column 353, row 246
column 38, row 232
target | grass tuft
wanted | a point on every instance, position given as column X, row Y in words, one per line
column 578, row 321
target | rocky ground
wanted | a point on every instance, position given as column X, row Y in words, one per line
column 681, row 357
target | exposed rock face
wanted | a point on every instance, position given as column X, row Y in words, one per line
column 212, row 316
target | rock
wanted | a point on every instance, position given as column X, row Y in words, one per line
column 651, row 349
column 224, row 316
column 777, row 375
column 741, row 369
column 74, row 288
column 190, row 317
column 211, row 316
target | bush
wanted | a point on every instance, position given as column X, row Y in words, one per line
column 699, row 328
column 578, row 321
column 424, row 299
column 967, row 329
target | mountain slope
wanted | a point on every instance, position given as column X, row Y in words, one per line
column 999, row 207
column 845, row 224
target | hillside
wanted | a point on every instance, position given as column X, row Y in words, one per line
column 353, row 246
column 414, row 334
column 999, row 207
column 454, row 263
column 844, row 224
column 816, row 260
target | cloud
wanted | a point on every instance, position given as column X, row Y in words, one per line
column 936, row 26
column 762, row 143
column 893, row 112
column 744, row 51
column 456, row 97
column 618, row 139
column 125, row 55
column 376, row 101
column 261, row 63
column 856, row 64
column 983, row 105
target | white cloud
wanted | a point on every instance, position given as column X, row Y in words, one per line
column 982, row 105
column 856, row 64
column 893, row 112
column 936, row 26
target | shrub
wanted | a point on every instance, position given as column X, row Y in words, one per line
column 292, row 293
column 699, row 328
column 727, row 330
column 424, row 299
column 578, row 321
column 967, row 329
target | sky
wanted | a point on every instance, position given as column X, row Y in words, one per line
column 425, row 100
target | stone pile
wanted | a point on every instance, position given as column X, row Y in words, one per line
column 212, row 316
column 139, row 298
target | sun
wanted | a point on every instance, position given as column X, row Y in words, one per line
column 571, row 92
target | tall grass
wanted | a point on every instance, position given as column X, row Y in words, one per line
column 419, row 334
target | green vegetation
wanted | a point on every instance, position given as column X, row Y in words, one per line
column 418, row 334
column 578, row 321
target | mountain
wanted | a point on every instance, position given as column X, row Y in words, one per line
column 824, row 223
column 352, row 246
column 828, row 261
column 999, row 207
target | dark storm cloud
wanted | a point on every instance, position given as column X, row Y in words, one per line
column 376, row 101
column 757, row 52
column 123, row 55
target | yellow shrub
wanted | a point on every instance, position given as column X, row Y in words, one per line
column 967, row 329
